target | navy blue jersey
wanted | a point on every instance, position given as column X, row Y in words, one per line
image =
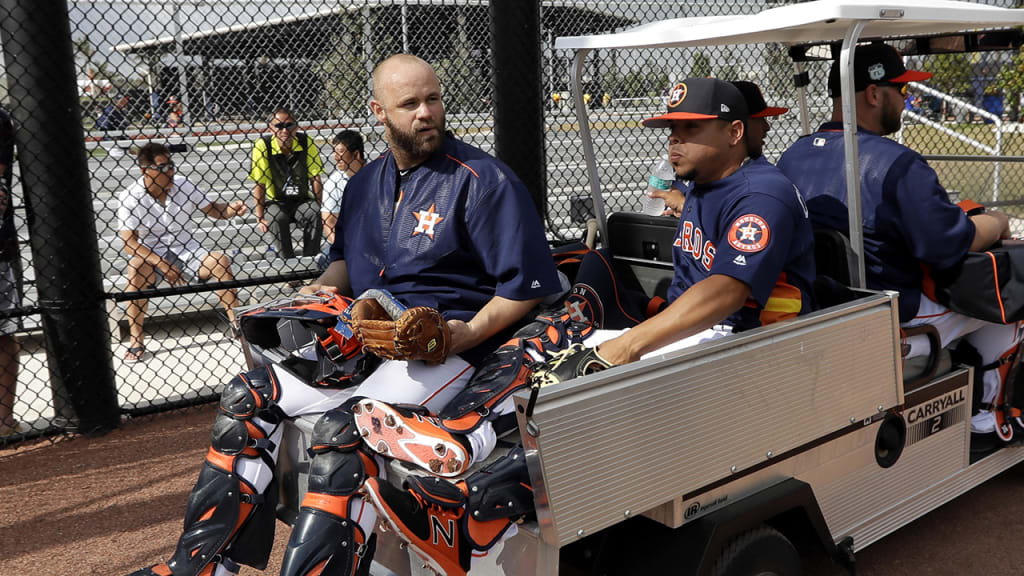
column 752, row 226
column 908, row 218
column 462, row 231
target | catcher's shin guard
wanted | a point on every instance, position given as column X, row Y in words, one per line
column 326, row 540
column 500, row 490
column 503, row 372
column 227, row 520
column 555, row 331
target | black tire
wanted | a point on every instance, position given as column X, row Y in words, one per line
column 763, row 551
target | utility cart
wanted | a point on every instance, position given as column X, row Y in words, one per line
column 726, row 457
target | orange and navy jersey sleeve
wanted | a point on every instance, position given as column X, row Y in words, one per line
column 759, row 233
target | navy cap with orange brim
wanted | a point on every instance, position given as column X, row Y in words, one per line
column 701, row 99
column 755, row 100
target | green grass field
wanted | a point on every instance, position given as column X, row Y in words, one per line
column 973, row 179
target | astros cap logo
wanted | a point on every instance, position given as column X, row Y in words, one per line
column 677, row 95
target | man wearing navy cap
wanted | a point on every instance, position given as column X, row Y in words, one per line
column 758, row 127
column 908, row 219
column 744, row 251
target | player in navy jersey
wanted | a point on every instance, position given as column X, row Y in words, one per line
column 909, row 221
column 744, row 250
column 437, row 223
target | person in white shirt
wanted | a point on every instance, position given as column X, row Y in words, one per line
column 155, row 223
column 349, row 157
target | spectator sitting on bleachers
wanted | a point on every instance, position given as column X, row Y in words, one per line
column 155, row 222
column 349, row 157
column 287, row 190
column 113, row 117
column 10, row 277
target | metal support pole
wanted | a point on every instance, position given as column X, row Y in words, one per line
column 370, row 57
column 589, row 156
column 852, row 162
column 405, row 29
column 179, row 62
column 518, row 101
column 40, row 65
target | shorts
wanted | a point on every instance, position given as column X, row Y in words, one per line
column 188, row 261
column 9, row 299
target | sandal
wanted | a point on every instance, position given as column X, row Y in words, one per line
column 135, row 354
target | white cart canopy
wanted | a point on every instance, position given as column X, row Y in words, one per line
column 825, row 21
column 812, row 22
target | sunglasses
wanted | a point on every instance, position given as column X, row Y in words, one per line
column 165, row 168
column 284, row 125
column 901, row 86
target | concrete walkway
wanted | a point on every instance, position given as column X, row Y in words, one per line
column 186, row 358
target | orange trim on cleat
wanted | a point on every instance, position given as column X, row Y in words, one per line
column 411, row 438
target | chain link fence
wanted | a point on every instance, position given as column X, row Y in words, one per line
column 203, row 79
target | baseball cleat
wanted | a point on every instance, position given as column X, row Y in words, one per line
column 410, row 437
column 431, row 531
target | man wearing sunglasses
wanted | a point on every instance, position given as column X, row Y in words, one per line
column 155, row 222
column 286, row 169
column 909, row 222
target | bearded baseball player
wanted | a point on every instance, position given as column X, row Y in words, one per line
column 909, row 222
column 743, row 258
column 447, row 250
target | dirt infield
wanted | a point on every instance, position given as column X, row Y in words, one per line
column 110, row 505
column 107, row 505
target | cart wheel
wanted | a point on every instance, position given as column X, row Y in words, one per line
column 763, row 551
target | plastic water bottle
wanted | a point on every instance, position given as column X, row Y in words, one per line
column 271, row 253
column 662, row 175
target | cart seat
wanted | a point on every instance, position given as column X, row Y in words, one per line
column 833, row 258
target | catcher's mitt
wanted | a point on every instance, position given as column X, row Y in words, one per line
column 389, row 330
column 573, row 362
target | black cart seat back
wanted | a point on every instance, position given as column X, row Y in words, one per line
column 833, row 255
column 641, row 247
column 641, row 236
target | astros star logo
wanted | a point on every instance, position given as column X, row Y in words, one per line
column 749, row 233
column 677, row 95
column 427, row 220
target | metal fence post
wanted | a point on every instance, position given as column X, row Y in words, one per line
column 55, row 179
column 518, row 98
